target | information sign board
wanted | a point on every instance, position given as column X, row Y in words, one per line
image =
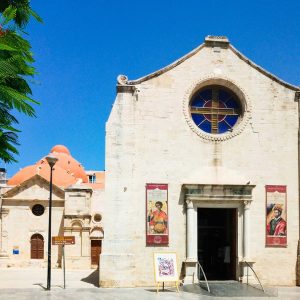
column 63, row 240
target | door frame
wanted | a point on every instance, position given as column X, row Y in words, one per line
column 238, row 216
column 230, row 219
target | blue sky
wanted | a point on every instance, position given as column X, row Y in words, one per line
column 84, row 45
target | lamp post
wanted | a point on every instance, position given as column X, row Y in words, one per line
column 51, row 161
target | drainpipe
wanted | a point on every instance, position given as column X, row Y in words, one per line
column 297, row 98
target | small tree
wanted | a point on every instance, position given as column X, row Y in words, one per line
column 15, row 67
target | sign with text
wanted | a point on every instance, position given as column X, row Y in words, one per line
column 63, row 240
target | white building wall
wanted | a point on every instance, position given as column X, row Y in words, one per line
column 148, row 140
column 20, row 224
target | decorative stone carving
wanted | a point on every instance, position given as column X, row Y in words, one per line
column 122, row 79
column 247, row 204
column 189, row 204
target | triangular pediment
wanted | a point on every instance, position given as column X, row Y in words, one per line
column 35, row 188
column 214, row 42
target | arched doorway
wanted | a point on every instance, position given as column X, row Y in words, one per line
column 96, row 236
column 37, row 246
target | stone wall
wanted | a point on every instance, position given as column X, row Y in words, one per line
column 150, row 139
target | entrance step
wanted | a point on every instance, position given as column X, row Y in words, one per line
column 227, row 289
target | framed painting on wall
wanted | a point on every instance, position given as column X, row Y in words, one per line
column 157, row 227
column 276, row 216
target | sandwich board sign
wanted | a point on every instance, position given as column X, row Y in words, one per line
column 165, row 268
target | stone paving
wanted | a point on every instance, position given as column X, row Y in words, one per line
column 82, row 284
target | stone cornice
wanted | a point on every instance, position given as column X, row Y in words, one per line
column 160, row 71
column 210, row 41
column 263, row 71
column 210, row 192
column 24, row 185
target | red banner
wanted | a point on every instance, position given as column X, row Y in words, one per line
column 276, row 216
column 157, row 225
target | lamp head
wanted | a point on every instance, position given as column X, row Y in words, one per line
column 51, row 160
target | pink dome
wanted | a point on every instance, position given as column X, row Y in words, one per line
column 60, row 149
column 67, row 170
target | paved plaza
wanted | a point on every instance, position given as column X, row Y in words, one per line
column 82, row 284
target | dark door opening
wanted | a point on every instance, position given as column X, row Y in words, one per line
column 217, row 233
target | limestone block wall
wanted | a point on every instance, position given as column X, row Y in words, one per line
column 149, row 140
column 77, row 201
column 19, row 224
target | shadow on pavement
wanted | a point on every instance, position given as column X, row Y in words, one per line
column 225, row 289
column 93, row 278
column 160, row 290
column 41, row 285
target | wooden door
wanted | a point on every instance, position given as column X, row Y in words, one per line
column 37, row 246
column 95, row 252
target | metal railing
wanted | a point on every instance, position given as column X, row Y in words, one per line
column 249, row 266
column 199, row 269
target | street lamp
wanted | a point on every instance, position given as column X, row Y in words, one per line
column 51, row 161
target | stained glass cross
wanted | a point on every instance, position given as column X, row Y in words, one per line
column 214, row 111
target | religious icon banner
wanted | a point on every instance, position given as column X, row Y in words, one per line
column 276, row 216
column 157, row 227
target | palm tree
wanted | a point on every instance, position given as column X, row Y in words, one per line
column 15, row 66
column 23, row 11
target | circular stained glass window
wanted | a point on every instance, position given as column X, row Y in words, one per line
column 38, row 209
column 215, row 109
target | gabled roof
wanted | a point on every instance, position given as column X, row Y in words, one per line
column 26, row 183
column 210, row 41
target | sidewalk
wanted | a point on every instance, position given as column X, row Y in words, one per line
column 36, row 278
column 23, row 284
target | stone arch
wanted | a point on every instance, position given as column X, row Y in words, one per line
column 76, row 225
column 97, row 233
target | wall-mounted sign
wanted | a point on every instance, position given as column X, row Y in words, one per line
column 16, row 250
column 63, row 240
column 157, row 227
column 276, row 216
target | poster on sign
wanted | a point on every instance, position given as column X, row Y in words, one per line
column 157, row 227
column 276, row 216
column 165, row 267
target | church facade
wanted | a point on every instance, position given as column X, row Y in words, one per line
column 76, row 211
column 202, row 160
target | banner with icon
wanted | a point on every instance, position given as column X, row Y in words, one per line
column 276, row 216
column 157, row 227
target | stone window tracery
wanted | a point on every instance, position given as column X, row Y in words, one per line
column 215, row 109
